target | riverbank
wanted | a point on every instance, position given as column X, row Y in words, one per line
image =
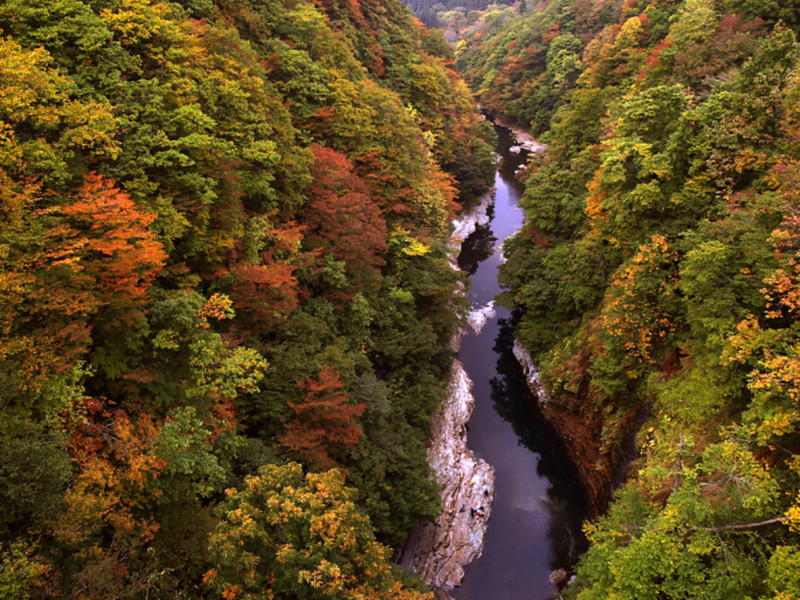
column 456, row 537
column 441, row 549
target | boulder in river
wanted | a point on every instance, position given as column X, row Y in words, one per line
column 480, row 316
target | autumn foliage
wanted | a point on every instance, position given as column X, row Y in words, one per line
column 324, row 423
column 121, row 253
column 285, row 534
column 343, row 221
column 110, row 497
column 195, row 207
column 264, row 293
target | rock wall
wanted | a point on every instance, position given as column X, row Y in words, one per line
column 467, row 482
column 467, row 222
column 531, row 371
column 455, row 539
column 593, row 432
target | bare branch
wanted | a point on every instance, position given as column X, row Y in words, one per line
column 746, row 525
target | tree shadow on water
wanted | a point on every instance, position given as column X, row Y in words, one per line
column 476, row 248
column 479, row 245
column 566, row 503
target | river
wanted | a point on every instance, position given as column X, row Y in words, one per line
column 539, row 504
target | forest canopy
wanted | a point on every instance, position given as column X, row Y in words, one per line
column 223, row 279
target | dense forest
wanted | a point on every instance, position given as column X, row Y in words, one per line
column 225, row 296
column 453, row 14
column 657, row 279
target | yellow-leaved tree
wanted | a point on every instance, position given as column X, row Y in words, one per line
column 288, row 535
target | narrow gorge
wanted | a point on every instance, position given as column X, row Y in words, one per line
column 530, row 490
column 245, row 352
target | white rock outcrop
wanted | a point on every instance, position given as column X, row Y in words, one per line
column 532, row 145
column 467, row 482
column 468, row 221
column 480, row 316
column 532, row 375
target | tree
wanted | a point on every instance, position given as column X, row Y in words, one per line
column 343, row 221
column 116, row 258
column 323, row 426
column 265, row 294
column 388, row 466
column 132, row 472
column 705, row 543
column 287, row 536
column 640, row 311
column 155, row 175
column 107, row 521
column 46, row 299
column 20, row 571
column 122, row 254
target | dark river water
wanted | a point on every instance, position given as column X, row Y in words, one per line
column 539, row 505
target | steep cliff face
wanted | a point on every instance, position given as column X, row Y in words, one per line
column 532, row 375
column 456, row 537
column 594, row 434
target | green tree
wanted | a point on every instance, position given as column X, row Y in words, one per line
column 704, row 543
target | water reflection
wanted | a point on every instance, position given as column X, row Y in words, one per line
column 514, row 402
column 477, row 248
column 510, row 396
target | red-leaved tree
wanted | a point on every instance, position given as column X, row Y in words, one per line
column 343, row 221
column 120, row 252
column 324, row 424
